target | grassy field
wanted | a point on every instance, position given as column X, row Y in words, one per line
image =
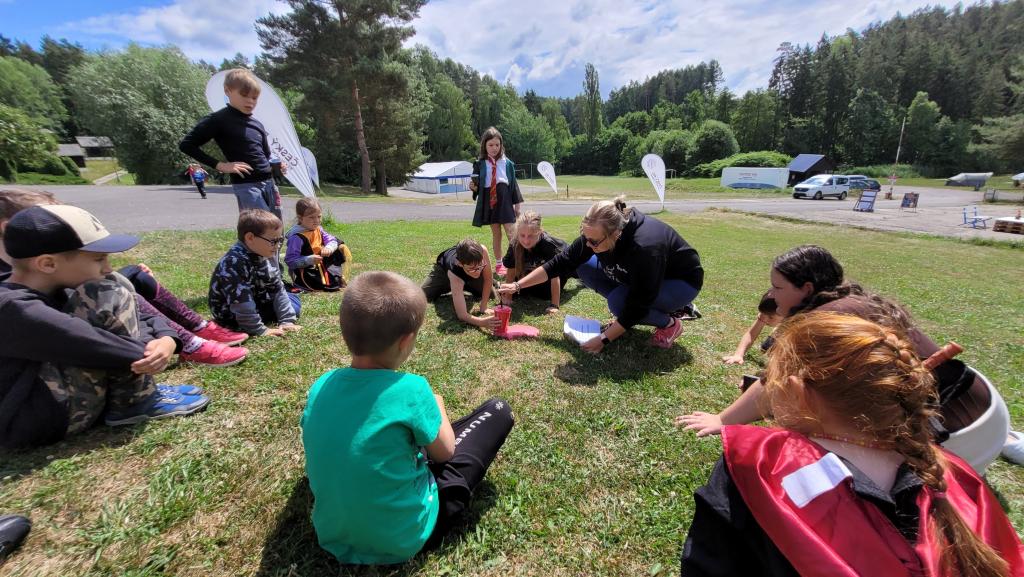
column 639, row 188
column 594, row 480
column 1001, row 182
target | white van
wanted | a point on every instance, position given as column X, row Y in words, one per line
column 743, row 177
column 822, row 185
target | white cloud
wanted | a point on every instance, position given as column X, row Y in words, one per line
column 536, row 40
column 202, row 29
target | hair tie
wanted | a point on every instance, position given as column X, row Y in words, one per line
column 938, row 494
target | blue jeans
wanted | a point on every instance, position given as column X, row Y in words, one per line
column 673, row 294
column 262, row 195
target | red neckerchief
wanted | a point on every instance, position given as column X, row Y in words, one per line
column 494, row 182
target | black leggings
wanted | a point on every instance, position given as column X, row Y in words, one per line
column 478, row 436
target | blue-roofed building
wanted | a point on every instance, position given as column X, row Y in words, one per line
column 805, row 166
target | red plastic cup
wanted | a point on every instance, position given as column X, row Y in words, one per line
column 504, row 313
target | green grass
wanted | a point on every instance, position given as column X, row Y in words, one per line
column 1001, row 182
column 639, row 188
column 594, row 480
column 99, row 168
column 40, row 178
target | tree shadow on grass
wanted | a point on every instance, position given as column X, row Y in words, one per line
column 629, row 358
column 292, row 549
column 17, row 464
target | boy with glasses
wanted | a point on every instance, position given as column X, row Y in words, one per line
column 464, row 267
column 246, row 292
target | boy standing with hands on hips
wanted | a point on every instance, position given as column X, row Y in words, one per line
column 243, row 140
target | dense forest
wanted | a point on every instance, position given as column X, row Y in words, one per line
column 372, row 110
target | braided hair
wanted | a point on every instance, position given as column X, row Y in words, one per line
column 869, row 374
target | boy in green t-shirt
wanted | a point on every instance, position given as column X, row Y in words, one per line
column 386, row 467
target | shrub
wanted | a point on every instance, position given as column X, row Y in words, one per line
column 713, row 140
column 760, row 159
column 71, row 166
column 883, row 171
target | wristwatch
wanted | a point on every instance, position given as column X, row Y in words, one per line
column 604, row 339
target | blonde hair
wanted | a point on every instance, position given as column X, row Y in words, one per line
column 608, row 215
column 526, row 219
column 242, row 80
column 378, row 308
column 870, row 376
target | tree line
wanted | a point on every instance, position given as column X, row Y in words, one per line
column 372, row 110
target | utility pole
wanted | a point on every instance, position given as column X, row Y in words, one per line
column 892, row 177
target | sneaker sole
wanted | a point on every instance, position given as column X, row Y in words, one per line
column 182, row 412
column 227, row 364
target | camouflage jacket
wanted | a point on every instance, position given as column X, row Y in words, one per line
column 243, row 284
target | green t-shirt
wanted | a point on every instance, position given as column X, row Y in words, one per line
column 375, row 498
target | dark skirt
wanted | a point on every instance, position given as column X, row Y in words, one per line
column 503, row 212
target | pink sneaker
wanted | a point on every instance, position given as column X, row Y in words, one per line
column 664, row 337
column 216, row 354
column 499, row 269
column 214, row 332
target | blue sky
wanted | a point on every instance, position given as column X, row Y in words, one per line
column 538, row 44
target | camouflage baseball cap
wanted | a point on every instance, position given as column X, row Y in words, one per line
column 51, row 229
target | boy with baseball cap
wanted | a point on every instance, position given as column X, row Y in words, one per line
column 73, row 346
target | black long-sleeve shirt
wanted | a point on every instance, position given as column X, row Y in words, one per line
column 34, row 330
column 240, row 137
column 648, row 252
column 725, row 540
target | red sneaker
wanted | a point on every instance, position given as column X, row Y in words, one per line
column 664, row 337
column 216, row 354
column 214, row 332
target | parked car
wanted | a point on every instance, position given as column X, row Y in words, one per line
column 864, row 184
column 822, row 185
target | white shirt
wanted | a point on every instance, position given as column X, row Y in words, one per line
column 502, row 171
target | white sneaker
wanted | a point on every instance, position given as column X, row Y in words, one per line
column 1014, row 450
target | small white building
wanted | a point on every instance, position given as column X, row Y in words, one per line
column 441, row 177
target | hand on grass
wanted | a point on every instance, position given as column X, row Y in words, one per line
column 488, row 322
column 733, row 359
column 593, row 346
column 290, row 328
column 155, row 357
column 552, row 310
column 702, row 423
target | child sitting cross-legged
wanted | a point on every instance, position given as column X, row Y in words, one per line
column 316, row 260
column 74, row 346
column 388, row 470
column 246, row 291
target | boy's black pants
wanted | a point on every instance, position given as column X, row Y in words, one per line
column 478, row 436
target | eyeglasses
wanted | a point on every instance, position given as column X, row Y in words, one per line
column 274, row 241
column 593, row 243
column 476, row 268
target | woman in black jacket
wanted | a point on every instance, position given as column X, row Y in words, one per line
column 645, row 270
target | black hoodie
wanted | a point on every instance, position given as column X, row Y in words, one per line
column 34, row 330
column 648, row 252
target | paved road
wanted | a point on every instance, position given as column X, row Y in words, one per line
column 147, row 208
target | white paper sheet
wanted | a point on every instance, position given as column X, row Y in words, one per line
column 580, row 329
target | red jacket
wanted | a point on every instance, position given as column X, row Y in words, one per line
column 801, row 496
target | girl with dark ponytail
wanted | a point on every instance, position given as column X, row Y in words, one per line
column 853, row 482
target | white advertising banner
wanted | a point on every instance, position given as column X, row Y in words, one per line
column 314, row 173
column 654, row 168
column 548, row 172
